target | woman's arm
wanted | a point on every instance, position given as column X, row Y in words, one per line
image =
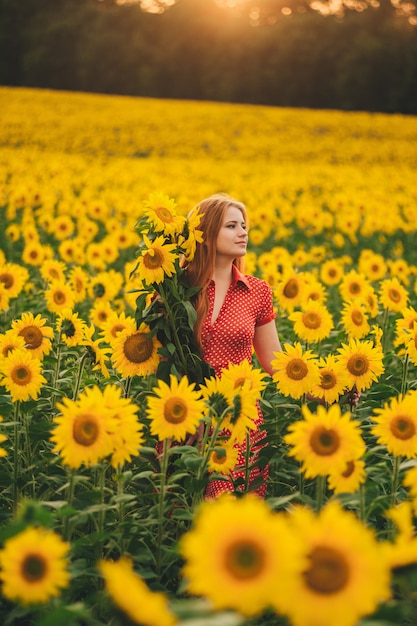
column 266, row 342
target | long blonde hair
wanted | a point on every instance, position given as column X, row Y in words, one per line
column 201, row 268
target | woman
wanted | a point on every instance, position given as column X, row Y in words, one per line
column 235, row 312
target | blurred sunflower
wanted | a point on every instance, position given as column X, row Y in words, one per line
column 100, row 313
column 131, row 594
column 331, row 272
column 78, row 279
column 22, row 375
column 34, row 253
column 349, row 479
column 289, row 290
column 97, row 355
column 223, row 458
column 373, row 266
column 62, row 227
column 393, row 295
column 333, row 380
column 3, row 438
column 410, row 482
column 14, row 278
column 83, row 431
column 105, row 285
column 396, row 425
column 70, row 327
column 192, row 235
column 34, row 566
column 401, row 269
column 135, row 353
column 295, row 371
column 404, row 325
column 53, row 270
column 127, row 436
column 114, row 324
column 161, row 212
column 324, row 441
column 59, row 296
column 354, row 285
column 35, row 332
column 346, row 576
column 156, row 260
column 4, row 298
column 363, row 362
column 313, row 323
column 9, row 341
column 244, row 375
column 354, row 319
column 175, row 410
column 251, row 549
column 402, row 551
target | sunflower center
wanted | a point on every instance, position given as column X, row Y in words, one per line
column 68, row 328
column 7, row 280
column 33, row 337
column 297, row 369
column 164, row 215
column 219, row 456
column 21, row 375
column 85, row 430
column 350, row 467
column 311, row 320
column 402, row 427
column 138, row 348
column 245, row 560
column 116, row 329
column 328, row 571
column 358, row 365
column 99, row 290
column 357, row 317
column 34, row 568
column 175, row 410
column 324, row 441
column 239, row 382
column 394, row 295
column 355, row 288
column 59, row 297
column 327, row 380
column 291, row 289
column 153, row 260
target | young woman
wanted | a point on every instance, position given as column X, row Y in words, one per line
column 235, row 313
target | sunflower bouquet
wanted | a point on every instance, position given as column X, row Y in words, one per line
column 164, row 304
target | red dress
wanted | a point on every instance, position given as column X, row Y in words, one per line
column 248, row 304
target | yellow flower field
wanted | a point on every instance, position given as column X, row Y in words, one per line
column 103, row 519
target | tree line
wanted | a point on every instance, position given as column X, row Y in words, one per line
column 197, row 50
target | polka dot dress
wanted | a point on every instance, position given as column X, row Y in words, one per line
column 248, row 304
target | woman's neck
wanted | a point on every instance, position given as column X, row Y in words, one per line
column 223, row 271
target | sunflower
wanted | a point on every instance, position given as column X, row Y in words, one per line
column 250, row 550
column 62, row 227
column 35, row 332
column 354, row 319
column 373, row 266
column 295, row 371
column 393, row 295
column 346, row 576
column 400, row 269
column 396, row 425
column 411, row 344
column 83, row 430
column 354, row 285
column 9, row 341
column 105, row 285
column 135, row 353
column 362, row 361
column 14, row 277
column 70, row 327
column 78, row 279
column 218, row 394
column 131, row 594
column 404, row 324
column 127, row 437
column 161, row 213
column 331, row 272
column 244, row 375
column 156, row 260
column 175, row 410
column 242, row 415
column 313, row 323
column 34, row 566
column 34, row 253
column 115, row 323
column 290, row 289
column 97, row 355
column 22, row 375
column 325, row 440
column 313, row 290
column 223, row 458
column 52, row 270
column 410, row 482
column 333, row 380
column 100, row 313
column 192, row 236
column 72, row 251
column 59, row 296
column 349, row 479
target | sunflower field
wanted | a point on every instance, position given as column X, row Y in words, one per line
column 103, row 519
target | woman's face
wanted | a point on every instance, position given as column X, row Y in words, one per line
column 232, row 238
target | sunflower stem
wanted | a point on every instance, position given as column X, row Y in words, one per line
column 128, row 383
column 16, row 434
column 395, row 479
column 320, row 491
column 384, row 330
column 162, row 489
column 172, row 324
column 247, row 465
column 79, row 376
column 57, row 368
column 120, row 492
column 405, row 371
column 70, row 498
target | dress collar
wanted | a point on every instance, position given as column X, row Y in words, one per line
column 237, row 276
